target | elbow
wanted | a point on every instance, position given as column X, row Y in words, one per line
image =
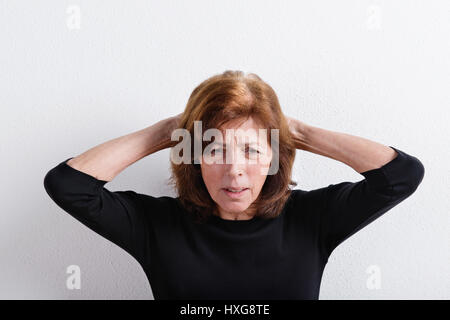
column 48, row 183
column 417, row 173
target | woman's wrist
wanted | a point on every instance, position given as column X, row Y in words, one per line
column 300, row 132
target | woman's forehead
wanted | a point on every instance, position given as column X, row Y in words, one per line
column 250, row 136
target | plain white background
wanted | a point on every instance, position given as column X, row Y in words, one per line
column 74, row 74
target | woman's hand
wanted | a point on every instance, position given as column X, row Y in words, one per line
column 173, row 123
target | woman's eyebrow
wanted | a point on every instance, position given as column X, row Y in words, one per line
column 224, row 145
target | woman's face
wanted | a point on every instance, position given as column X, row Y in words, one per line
column 245, row 155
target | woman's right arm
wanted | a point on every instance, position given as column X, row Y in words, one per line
column 126, row 218
column 107, row 160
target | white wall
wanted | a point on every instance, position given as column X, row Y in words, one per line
column 377, row 69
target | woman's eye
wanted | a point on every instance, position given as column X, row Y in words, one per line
column 254, row 150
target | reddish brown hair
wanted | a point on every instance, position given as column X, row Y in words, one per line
column 217, row 100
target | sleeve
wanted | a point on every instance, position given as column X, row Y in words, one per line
column 117, row 216
column 350, row 206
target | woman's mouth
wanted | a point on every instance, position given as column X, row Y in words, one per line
column 235, row 193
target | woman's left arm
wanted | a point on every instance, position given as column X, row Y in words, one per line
column 391, row 175
column 359, row 153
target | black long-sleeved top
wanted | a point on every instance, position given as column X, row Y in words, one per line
column 280, row 258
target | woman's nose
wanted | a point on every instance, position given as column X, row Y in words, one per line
column 235, row 162
column 235, row 169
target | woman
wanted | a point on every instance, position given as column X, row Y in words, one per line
column 234, row 231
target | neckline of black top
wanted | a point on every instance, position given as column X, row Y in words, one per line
column 243, row 227
column 234, row 222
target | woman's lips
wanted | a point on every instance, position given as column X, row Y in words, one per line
column 235, row 195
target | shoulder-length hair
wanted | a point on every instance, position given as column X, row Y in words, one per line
column 217, row 100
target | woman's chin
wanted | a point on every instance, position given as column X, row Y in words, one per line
column 234, row 208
